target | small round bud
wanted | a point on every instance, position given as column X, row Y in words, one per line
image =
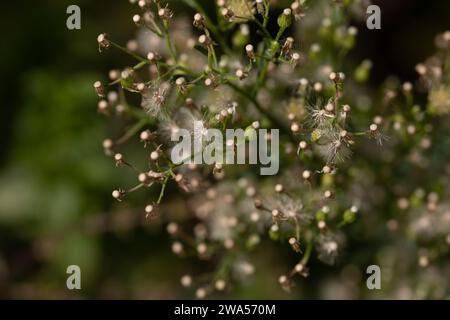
column 326, row 169
column 378, row 120
column 201, row 248
column 318, row 86
column 283, row 279
column 321, row 225
column 172, row 228
column 329, row 107
column 279, row 188
column 285, row 19
column 177, row 247
column 424, row 261
column 137, row 19
column 228, row 244
column 403, row 203
column 275, row 213
column 146, row 135
column 149, row 208
column 143, row 178
column 200, row 293
column 117, row 194
column 303, row 145
column 103, row 41
column 99, row 89
column 250, row 51
column 186, row 281
column 373, row 127
column 220, row 285
column 152, row 56
column 254, row 216
column 306, row 174
column 407, row 87
column 103, row 106
column 421, row 69
column 154, row 155
column 107, row 145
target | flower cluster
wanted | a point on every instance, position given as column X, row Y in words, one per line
column 232, row 70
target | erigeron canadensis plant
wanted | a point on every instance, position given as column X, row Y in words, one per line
column 231, row 69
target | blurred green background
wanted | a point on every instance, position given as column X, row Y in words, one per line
column 55, row 182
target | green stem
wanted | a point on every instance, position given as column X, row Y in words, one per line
column 307, row 254
column 163, row 188
column 131, row 53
